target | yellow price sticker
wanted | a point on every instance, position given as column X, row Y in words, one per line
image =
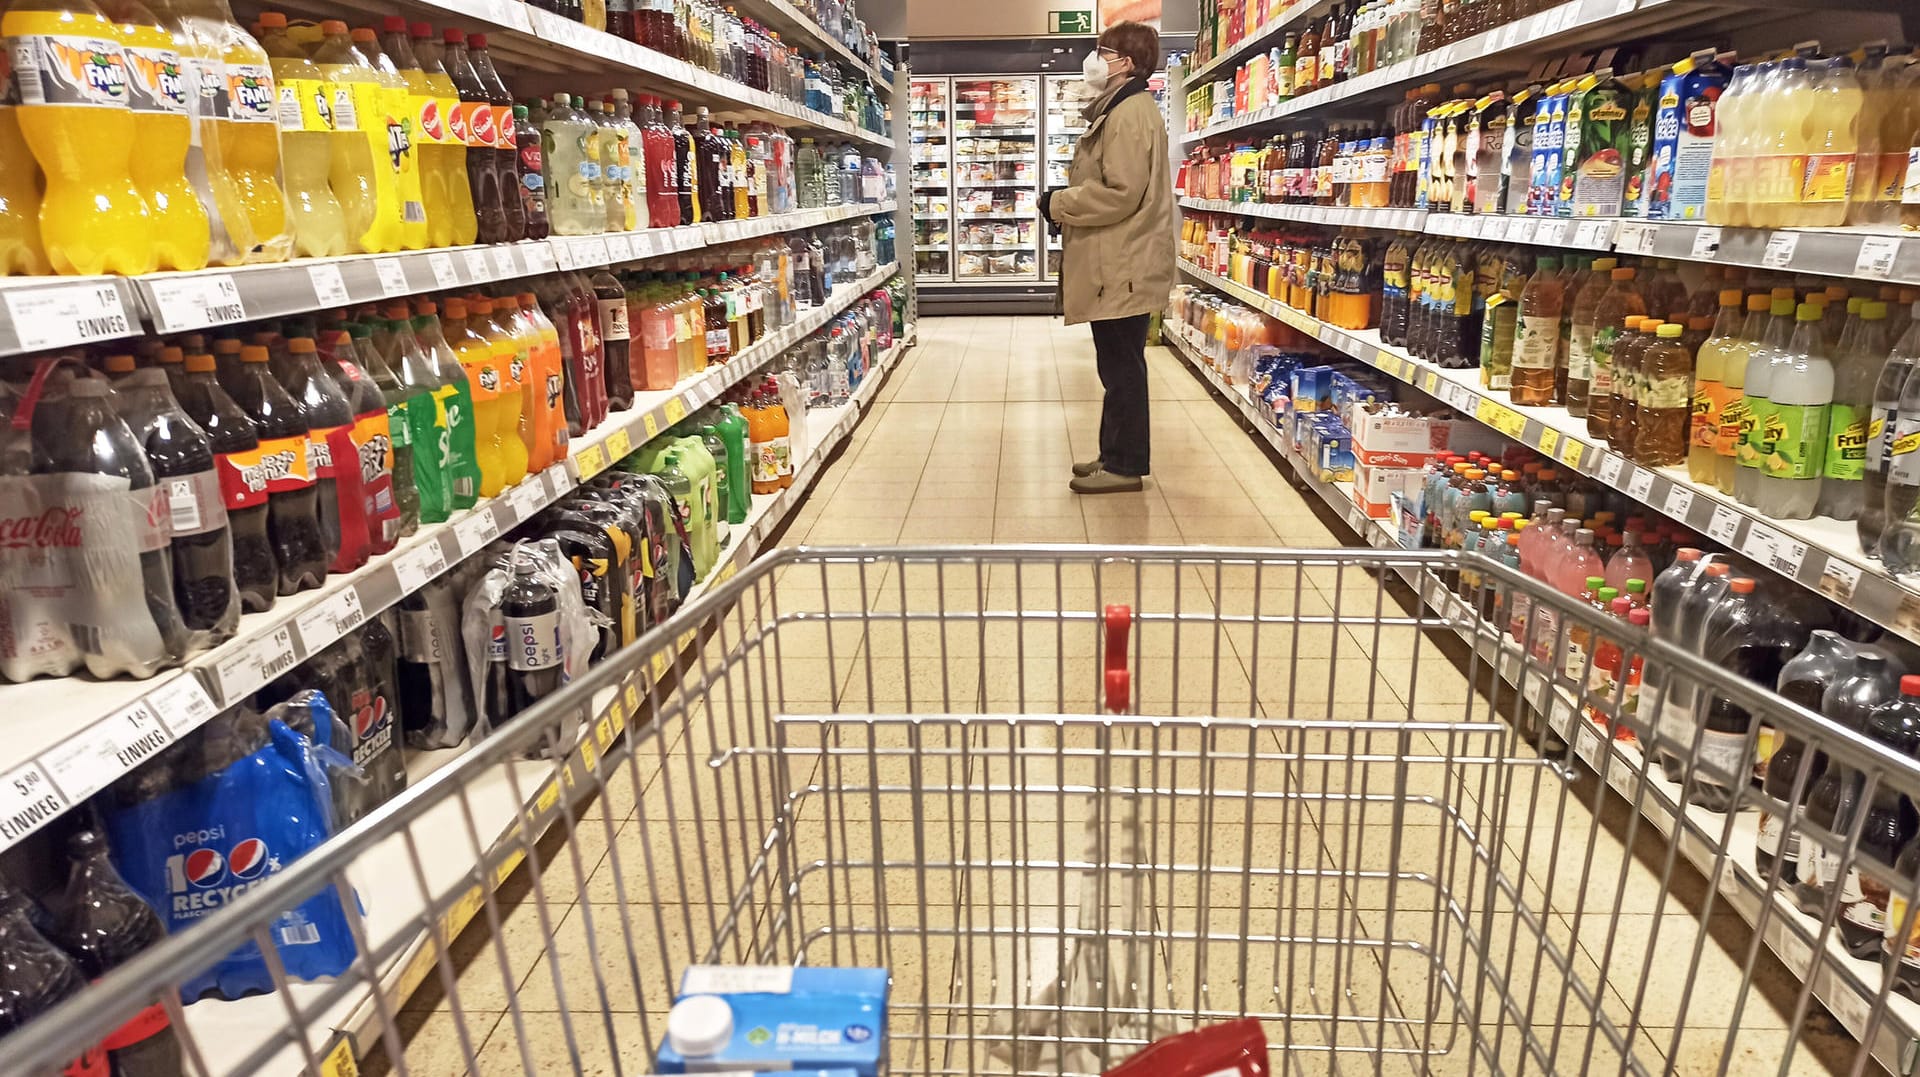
column 660, row 662
column 727, row 570
column 1549, row 440
column 588, row 758
column 685, row 640
column 1571, row 453
column 549, row 796
column 651, row 424
column 339, row 1060
column 1501, row 418
column 603, row 732
column 676, row 411
column 619, row 444
column 591, row 461
column 1431, row 382
column 633, row 697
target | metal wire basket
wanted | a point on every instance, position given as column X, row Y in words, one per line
column 1340, row 795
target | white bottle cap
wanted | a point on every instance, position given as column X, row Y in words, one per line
column 699, row 1026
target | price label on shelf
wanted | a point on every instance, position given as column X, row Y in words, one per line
column 619, row 444
column 1706, row 244
column 1679, row 502
column 1795, row 952
column 527, row 499
column 329, row 287
column 1586, row 744
column 28, row 800
column 1501, row 418
column 70, row 314
column 1571, row 452
column 1761, row 544
column 477, row 270
column 183, row 303
column 619, row 249
column 590, row 461
column 1590, row 234
column 1847, row 1005
column 393, row 276
column 89, row 762
column 182, row 704
column 1780, row 248
column 254, row 663
column 538, row 257
column 418, row 565
column 503, row 264
column 1876, row 257
column 1552, row 233
column 444, row 275
column 474, row 532
column 1610, row 465
column 1640, row 487
column 1521, row 229
column 676, row 410
column 1788, row 555
column 1724, row 525
column 1838, row 579
column 1429, row 381
column 1549, row 441
column 650, row 424
column 330, row 619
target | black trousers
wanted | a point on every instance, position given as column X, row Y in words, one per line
column 1120, row 352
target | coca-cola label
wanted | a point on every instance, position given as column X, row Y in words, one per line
column 194, row 503
column 55, row 527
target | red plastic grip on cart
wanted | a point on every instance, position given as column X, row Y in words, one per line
column 1119, row 681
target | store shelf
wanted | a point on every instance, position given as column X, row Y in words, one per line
column 1846, row 986
column 1821, row 554
column 792, row 23
column 994, row 183
column 1403, row 220
column 48, row 312
column 240, row 1036
column 1256, row 40
column 70, row 737
column 989, row 130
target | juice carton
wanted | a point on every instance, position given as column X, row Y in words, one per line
column 1516, row 153
column 777, row 1017
column 1646, row 102
column 1595, row 183
column 1657, row 185
column 1702, row 78
column 1486, row 145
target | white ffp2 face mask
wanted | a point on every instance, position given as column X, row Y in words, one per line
column 1095, row 71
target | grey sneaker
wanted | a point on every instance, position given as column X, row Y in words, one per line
column 1081, row 471
column 1106, row 482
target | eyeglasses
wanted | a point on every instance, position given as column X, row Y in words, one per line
column 1111, row 54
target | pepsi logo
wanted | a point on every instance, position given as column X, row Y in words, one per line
column 370, row 717
column 246, row 860
column 205, row 867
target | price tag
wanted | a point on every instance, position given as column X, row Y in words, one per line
column 1876, row 258
column 393, row 276
column 619, row 444
column 182, row 303
column 537, row 257
column 418, row 565
column 676, row 411
column 28, row 800
column 74, row 314
column 590, row 461
column 1586, row 744
column 1571, row 452
column 329, row 620
column 1795, row 952
column 477, row 270
column 1591, row 234
column 474, row 532
column 1641, row 485
column 528, row 498
column 1706, row 244
column 619, row 249
column 1724, row 525
column 1838, row 579
column 1521, row 230
column 1761, row 543
column 1430, row 381
column 1788, row 555
column 444, row 274
column 1610, row 466
column 1848, row 1006
column 255, row 663
column 1552, row 233
column 650, row 424
column 1780, row 248
column 89, row 762
column 329, row 287
column 1679, row 502
column 503, row 265
column 1549, row 441
column 182, row 704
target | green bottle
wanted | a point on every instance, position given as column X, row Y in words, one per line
column 733, row 433
column 453, row 414
column 411, row 416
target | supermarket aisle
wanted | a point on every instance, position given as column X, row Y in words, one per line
column 970, row 442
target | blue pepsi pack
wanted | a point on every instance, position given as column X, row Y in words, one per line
column 192, row 849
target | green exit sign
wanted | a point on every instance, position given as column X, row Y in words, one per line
column 1069, row 22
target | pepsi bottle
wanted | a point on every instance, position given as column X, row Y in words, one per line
column 530, row 613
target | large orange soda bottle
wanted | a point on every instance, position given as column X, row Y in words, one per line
column 20, row 250
column 510, row 359
column 464, row 329
column 162, row 133
column 536, row 421
column 306, row 117
column 551, row 370
column 70, row 70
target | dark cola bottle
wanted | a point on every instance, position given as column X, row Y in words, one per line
column 236, row 455
column 104, row 925
column 283, row 472
column 530, row 612
column 616, row 337
column 35, row 975
column 330, row 454
column 376, row 712
column 590, row 549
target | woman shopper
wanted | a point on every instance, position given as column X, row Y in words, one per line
column 1116, row 216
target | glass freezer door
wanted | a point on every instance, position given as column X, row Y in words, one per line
column 996, row 178
column 931, row 131
column 1066, row 96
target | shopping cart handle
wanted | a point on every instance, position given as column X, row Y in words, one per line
column 1119, row 680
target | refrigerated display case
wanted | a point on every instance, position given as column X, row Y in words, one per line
column 932, row 179
column 996, row 178
column 1067, row 95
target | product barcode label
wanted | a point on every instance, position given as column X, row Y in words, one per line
column 1724, row 525
column 393, row 276
column 503, row 262
column 182, row 704
column 474, row 532
column 72, row 314
column 476, row 265
column 1838, row 579
column 418, row 565
column 1788, row 555
column 255, row 663
column 1679, row 502
column 1610, row 469
column 1876, row 257
column 1640, row 487
column 1761, row 543
column 329, row 620
column 329, row 287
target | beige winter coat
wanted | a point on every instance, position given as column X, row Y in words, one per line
column 1116, row 216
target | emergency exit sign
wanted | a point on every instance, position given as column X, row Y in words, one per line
column 1069, row 22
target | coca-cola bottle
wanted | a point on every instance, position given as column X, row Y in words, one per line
column 35, row 976
column 236, row 449
column 104, row 925
column 610, row 299
column 182, row 459
column 283, row 471
column 330, row 453
column 1832, row 801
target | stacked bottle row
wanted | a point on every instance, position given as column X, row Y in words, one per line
column 1332, row 276
column 1800, row 140
column 371, row 142
column 740, row 49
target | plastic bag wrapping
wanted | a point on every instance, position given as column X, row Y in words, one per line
column 1233, row 1049
column 435, row 695
column 220, row 827
column 501, row 688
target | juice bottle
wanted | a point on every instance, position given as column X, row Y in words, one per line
column 629, row 153
column 425, row 181
column 1665, row 408
column 1710, row 392
column 1782, row 146
column 306, row 119
column 569, row 148
column 1730, row 170
column 1831, row 146
column 70, row 70
column 162, row 133
column 1580, row 327
column 368, row 199
column 1857, row 368
column 444, row 159
column 486, row 381
column 1620, row 300
column 241, row 159
column 1736, row 414
column 1536, row 342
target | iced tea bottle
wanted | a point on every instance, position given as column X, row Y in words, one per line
column 1621, row 299
column 1537, row 339
column 1580, row 327
column 1666, row 406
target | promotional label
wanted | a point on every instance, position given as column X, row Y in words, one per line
column 1798, row 437
column 1827, row 177
column 613, row 319
column 250, row 96
column 1735, row 412
column 1847, row 440
column 279, row 465
column 55, row 69
column 155, row 82
column 429, row 119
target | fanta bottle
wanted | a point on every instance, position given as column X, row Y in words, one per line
column 20, row 249
column 306, row 119
column 70, row 71
column 464, row 329
column 552, row 368
column 157, row 93
column 443, row 159
column 394, row 144
column 535, row 421
column 510, row 358
column 426, row 129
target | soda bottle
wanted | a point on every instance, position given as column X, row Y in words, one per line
column 540, row 408
column 626, row 184
column 35, row 976
column 544, row 340
column 610, row 299
column 1679, row 615
column 237, row 457
column 1832, row 799
column 570, row 144
column 533, row 183
column 198, row 548
column 1710, row 393
column 368, row 200
column 1893, row 476
column 1885, row 829
column 306, row 117
column 510, row 357
column 1736, row 639
column 1758, row 431
column 454, row 416
column 347, row 359
column 506, row 142
column 421, row 127
column 162, row 132
column 20, row 248
column 70, row 73
column 530, row 613
column 685, row 163
column 1804, row 680
column 343, row 524
column 430, row 677
column 576, row 396
column 1799, row 393
column 592, row 550
column 419, row 464
column 284, row 471
column 105, row 925
column 443, row 160
column 656, row 161
column 487, row 380
column 1857, row 370
column 396, row 158
column 474, row 122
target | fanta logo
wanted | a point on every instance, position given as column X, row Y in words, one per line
column 489, row 379
column 205, row 867
column 160, row 74
column 272, row 467
column 248, row 859
column 249, row 93
column 518, row 368
column 432, row 127
column 57, row 527
column 373, row 457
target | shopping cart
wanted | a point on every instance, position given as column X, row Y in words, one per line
column 1346, row 795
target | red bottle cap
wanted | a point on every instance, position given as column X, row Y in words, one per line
column 1640, row 615
column 420, row 31
column 1910, row 685
column 394, row 24
column 453, row 37
column 1742, row 586
column 476, row 41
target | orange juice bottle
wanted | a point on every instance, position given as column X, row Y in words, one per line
column 463, row 324
column 764, row 463
column 777, row 434
column 552, row 373
column 70, row 70
column 539, row 385
column 510, row 356
column 162, row 134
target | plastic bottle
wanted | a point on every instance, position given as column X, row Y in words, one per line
column 1804, row 680
column 162, row 134
column 455, row 420
column 1799, row 394
column 1621, row 299
column 81, row 130
column 1890, row 488
column 356, row 367
column 506, row 144
column 570, row 148
column 104, row 924
column 1710, row 393
column 621, row 150
column 473, row 121
column 1665, row 408
column 1736, row 637
column 1537, row 336
column 284, row 470
column 444, row 158
column 330, row 455
column 426, row 180
column 1833, row 799
column 512, row 438
column 686, row 181
column 235, row 444
column 1857, row 369
column 543, row 422
column 1757, row 437
column 1830, row 144
column 395, row 142
column 466, row 330
column 655, row 158
column 368, row 198
column 1674, row 720
column 306, row 117
column 1581, row 325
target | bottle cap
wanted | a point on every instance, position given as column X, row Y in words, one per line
column 1605, row 265
column 1686, row 553
column 1873, row 310
column 1609, row 595
column 1784, row 307
column 253, row 353
column 1594, row 583
column 171, row 354
column 1641, row 616
column 1910, row 685
column 1808, row 312
column 455, row 308
column 1743, row 585
column 200, row 364
column 1757, row 302
column 1719, row 568
column 452, row 36
column 273, row 20
column 119, row 364
column 1622, row 273
column 1635, row 585
column 701, row 1025
column 1729, row 297
column 1669, row 330
column 420, row 31
column 364, row 33
column 395, row 24
column 332, row 26
column 302, row 346
column 476, row 41
column 1620, row 606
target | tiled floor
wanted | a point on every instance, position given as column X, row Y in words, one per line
column 1355, row 883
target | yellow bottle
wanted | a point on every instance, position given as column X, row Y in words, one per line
column 20, row 249
column 464, row 329
column 427, row 131
column 511, row 357
column 1831, row 132
column 446, row 158
column 306, row 133
column 162, row 133
column 71, row 71
column 395, row 145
